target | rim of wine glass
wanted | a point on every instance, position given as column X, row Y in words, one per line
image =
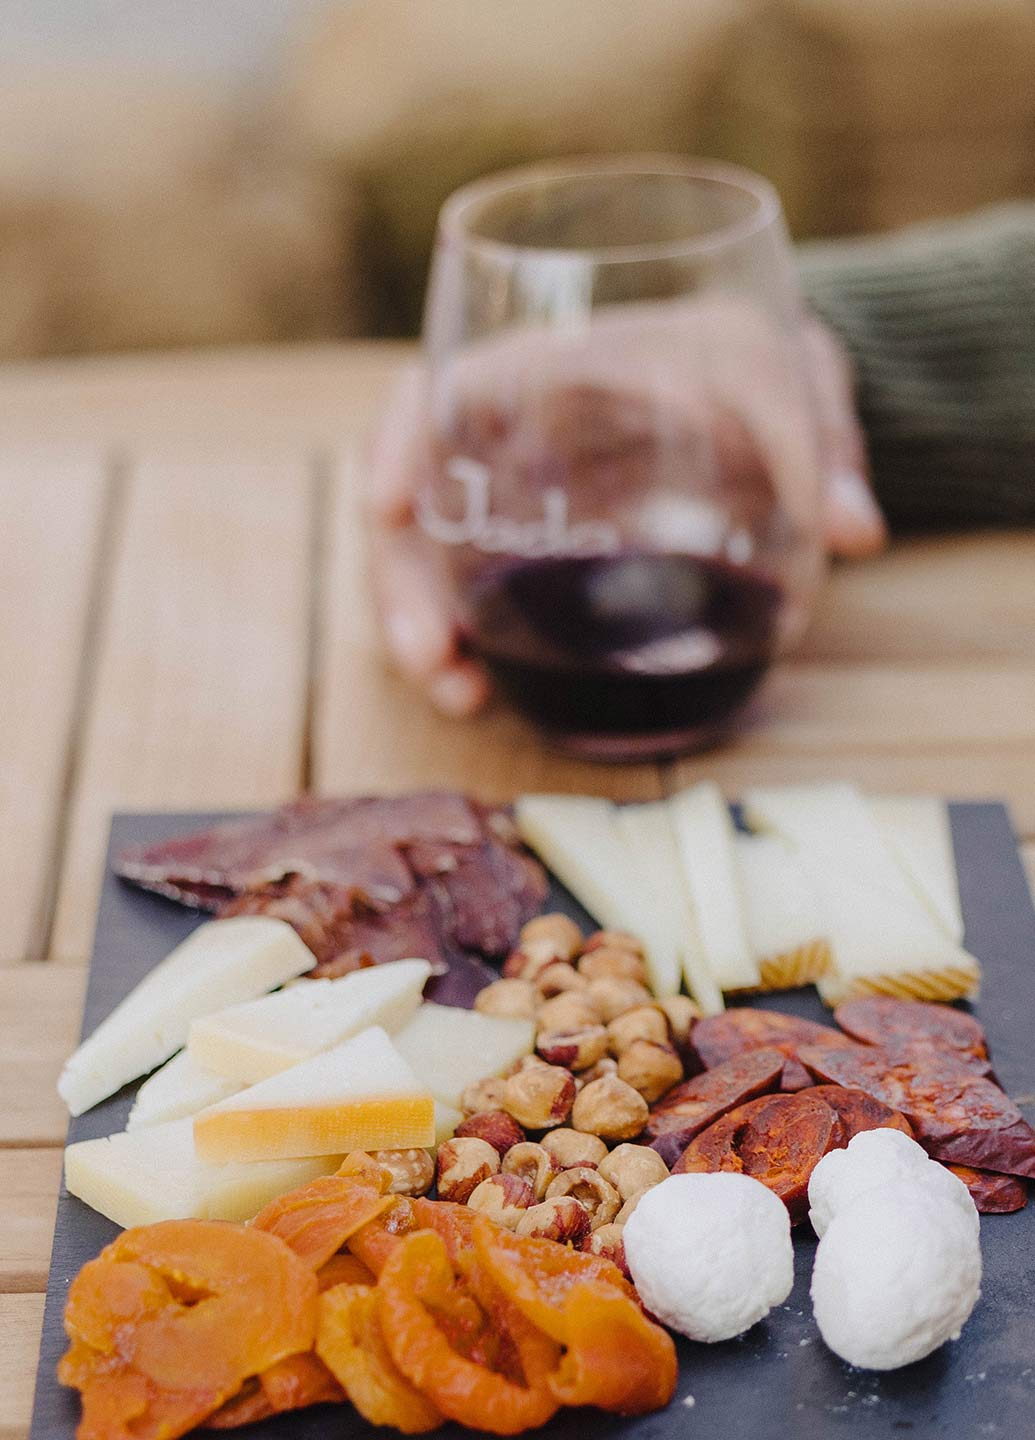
column 454, row 224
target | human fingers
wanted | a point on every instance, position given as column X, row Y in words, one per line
column 853, row 521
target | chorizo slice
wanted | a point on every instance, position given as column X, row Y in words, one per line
column 992, row 1194
column 698, row 1103
column 958, row 1116
column 884, row 1020
column 858, row 1111
column 777, row 1139
column 718, row 1038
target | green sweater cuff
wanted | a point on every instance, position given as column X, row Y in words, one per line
column 940, row 322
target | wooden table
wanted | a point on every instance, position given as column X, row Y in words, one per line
column 186, row 624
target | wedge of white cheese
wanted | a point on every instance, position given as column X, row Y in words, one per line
column 883, row 939
column 654, row 856
column 181, row 1087
column 918, row 830
column 578, row 837
column 361, row 1095
column 221, row 963
column 250, row 1042
column 448, row 1048
column 781, row 913
column 705, row 836
column 142, row 1176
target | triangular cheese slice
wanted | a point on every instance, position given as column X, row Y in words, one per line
column 250, row 1042
column 918, row 830
column 181, row 1087
column 448, row 1048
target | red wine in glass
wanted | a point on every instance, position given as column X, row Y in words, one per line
column 637, row 653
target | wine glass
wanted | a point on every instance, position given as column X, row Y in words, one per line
column 625, row 488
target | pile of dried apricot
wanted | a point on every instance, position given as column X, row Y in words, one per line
column 415, row 1311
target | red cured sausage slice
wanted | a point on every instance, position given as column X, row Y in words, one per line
column 777, row 1139
column 719, row 1038
column 992, row 1194
column 883, row 1020
column 858, row 1111
column 698, row 1103
column 958, row 1116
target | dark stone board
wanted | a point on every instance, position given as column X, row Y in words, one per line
column 778, row 1382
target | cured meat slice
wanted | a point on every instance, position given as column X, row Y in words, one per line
column 858, row 1111
column 992, row 1194
column 364, row 881
column 718, row 1038
column 698, row 1103
column 957, row 1116
column 777, row 1139
column 882, row 1020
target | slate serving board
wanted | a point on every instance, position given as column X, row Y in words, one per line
column 778, row 1382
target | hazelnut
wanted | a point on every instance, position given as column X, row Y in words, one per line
column 586, row 1185
column 483, row 1095
column 609, row 1108
column 540, row 1097
column 651, row 1069
column 680, row 1012
column 412, row 1171
column 532, row 1163
column 562, row 1219
column 613, row 939
column 606, row 1241
column 462, row 1166
column 605, row 1066
column 553, row 936
column 496, row 1127
column 512, row 998
column 632, row 1168
column 571, row 1010
column 613, row 996
column 643, row 1022
column 573, row 1147
column 557, row 977
column 503, row 1198
column 574, row 1049
column 630, row 1205
column 608, row 963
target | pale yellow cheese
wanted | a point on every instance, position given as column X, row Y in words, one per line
column 221, row 963
column 781, row 913
column 250, row 1042
column 181, row 1087
column 918, row 829
column 447, row 1118
column 580, row 839
column 706, row 836
column 448, row 1048
column 361, row 1095
column 153, row 1173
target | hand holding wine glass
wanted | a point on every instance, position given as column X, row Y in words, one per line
column 651, row 428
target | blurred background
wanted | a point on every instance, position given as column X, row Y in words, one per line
column 216, row 172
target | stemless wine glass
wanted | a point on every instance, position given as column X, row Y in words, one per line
column 626, row 471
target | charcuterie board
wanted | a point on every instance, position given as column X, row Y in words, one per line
column 776, row 1381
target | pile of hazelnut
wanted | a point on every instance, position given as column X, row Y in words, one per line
column 534, row 1151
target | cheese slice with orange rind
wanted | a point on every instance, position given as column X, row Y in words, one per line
column 781, row 914
column 139, row 1177
column 360, row 1095
column 252, row 1041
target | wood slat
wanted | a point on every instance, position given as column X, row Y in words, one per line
column 29, row 1181
column 372, row 731
column 933, row 599
column 51, row 504
column 21, row 1320
column 40, row 1015
column 200, row 695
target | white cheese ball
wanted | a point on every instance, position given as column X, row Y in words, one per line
column 710, row 1254
column 872, row 1160
column 897, row 1273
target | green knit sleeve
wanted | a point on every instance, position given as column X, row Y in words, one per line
column 940, row 321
